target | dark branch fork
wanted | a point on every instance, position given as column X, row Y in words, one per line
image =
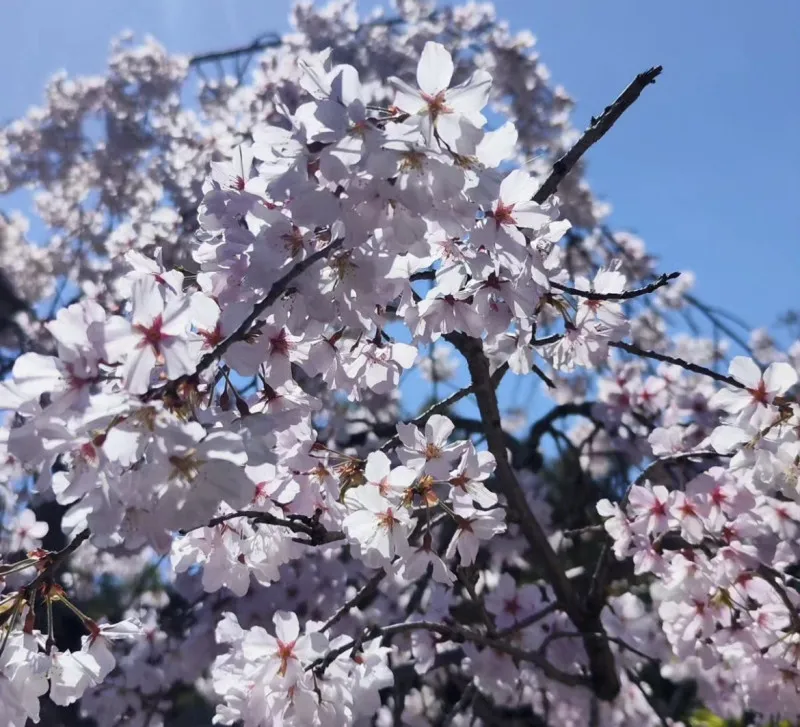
column 603, row 679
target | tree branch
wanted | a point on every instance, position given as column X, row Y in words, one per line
column 458, row 634
column 263, row 42
column 277, row 289
column 444, row 405
column 363, row 594
column 604, row 677
column 595, row 598
column 317, row 534
column 625, row 295
column 695, row 368
column 595, row 132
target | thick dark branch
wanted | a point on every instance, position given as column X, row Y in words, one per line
column 625, row 295
column 688, row 365
column 422, row 275
column 547, row 340
column 604, row 677
column 595, row 132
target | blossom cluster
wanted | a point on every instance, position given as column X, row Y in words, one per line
column 216, row 416
column 720, row 548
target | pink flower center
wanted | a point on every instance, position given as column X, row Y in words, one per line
column 280, row 343
column 285, row 653
column 436, row 105
column 152, row 335
column 504, row 215
column 718, row 497
column 387, row 519
column 759, row 394
column 212, row 338
column 432, row 452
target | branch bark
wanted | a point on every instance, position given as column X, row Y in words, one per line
column 624, row 295
column 458, row 634
column 688, row 365
column 444, row 405
column 604, row 677
column 277, row 289
column 596, row 131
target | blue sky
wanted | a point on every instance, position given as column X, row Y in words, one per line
column 704, row 166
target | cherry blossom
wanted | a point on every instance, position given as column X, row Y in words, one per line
column 317, row 345
column 429, row 453
column 442, row 110
column 380, row 528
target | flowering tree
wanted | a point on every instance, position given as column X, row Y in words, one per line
column 214, row 501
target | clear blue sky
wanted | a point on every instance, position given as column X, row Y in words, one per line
column 705, row 166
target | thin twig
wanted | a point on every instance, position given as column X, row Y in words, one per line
column 597, row 129
column 688, row 365
column 317, row 534
column 363, row 594
column 459, row 634
column 624, row 295
column 443, row 405
column 277, row 289
column 48, row 565
column 596, row 595
column 261, row 43
column 529, row 620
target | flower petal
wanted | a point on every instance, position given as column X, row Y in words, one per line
column 435, row 68
column 746, row 371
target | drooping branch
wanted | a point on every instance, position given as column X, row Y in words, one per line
column 597, row 129
column 688, row 365
column 596, row 596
